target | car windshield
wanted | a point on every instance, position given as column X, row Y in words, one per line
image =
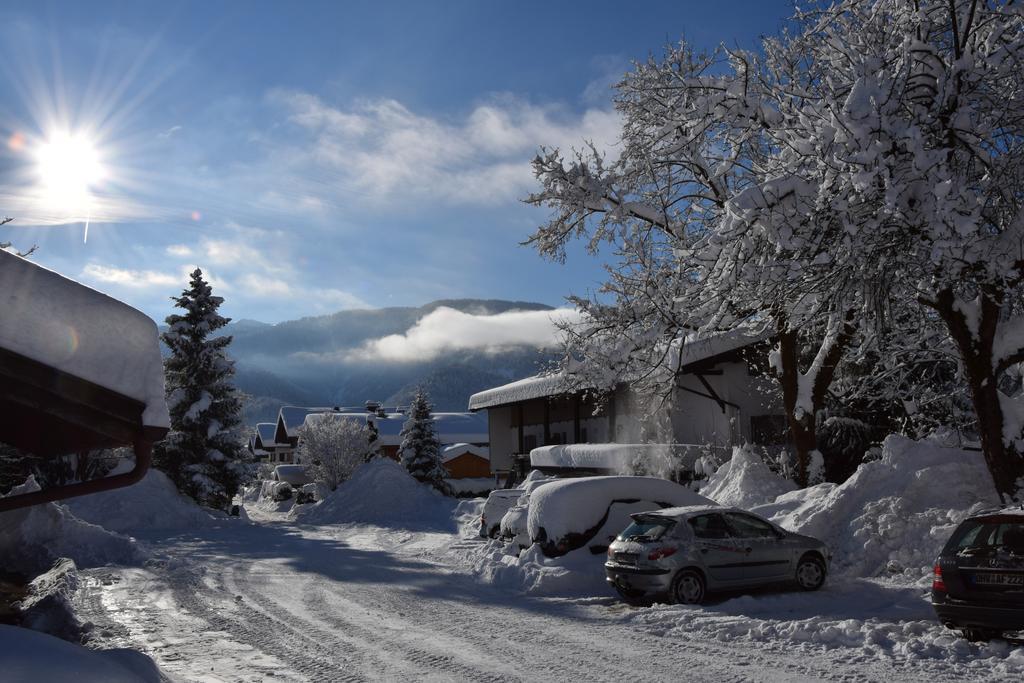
column 646, row 529
column 988, row 534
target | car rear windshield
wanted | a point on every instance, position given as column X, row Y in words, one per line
column 647, row 529
column 1004, row 532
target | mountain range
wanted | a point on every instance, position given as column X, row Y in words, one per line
column 316, row 360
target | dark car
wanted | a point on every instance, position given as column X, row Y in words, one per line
column 978, row 586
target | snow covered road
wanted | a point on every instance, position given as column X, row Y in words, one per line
column 276, row 601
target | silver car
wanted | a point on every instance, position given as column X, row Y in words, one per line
column 686, row 553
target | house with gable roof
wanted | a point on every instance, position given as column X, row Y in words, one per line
column 722, row 398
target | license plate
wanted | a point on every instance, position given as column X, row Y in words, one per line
column 626, row 558
column 994, row 579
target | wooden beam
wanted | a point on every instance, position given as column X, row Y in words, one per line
column 722, row 403
column 519, row 413
column 576, row 418
column 547, row 421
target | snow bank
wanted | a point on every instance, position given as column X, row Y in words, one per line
column 82, row 332
column 745, row 481
column 578, row 573
column 31, row 657
column 48, row 608
column 152, row 504
column 893, row 514
column 472, row 485
column 614, row 457
column 33, row 538
column 874, row 619
column 568, row 505
column 381, row 492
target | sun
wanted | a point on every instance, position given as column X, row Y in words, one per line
column 68, row 167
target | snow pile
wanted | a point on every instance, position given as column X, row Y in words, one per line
column 29, row 656
column 47, row 607
column 33, row 538
column 152, row 504
column 82, row 332
column 381, row 492
column 471, row 485
column 894, row 513
column 745, row 481
column 569, row 505
column 877, row 619
column 614, row 457
column 578, row 573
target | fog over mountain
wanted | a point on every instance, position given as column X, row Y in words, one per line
column 453, row 348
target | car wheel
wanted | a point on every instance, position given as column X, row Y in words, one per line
column 810, row 573
column 687, row 588
column 979, row 635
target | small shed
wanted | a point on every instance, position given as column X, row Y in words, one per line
column 79, row 370
column 465, row 461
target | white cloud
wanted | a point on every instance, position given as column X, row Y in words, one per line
column 447, row 329
column 381, row 149
column 130, row 278
column 180, row 250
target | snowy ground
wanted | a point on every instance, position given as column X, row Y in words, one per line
column 238, row 601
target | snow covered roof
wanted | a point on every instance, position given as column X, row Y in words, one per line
column 451, row 427
column 457, row 449
column 82, row 332
column 696, row 349
column 266, row 432
column 614, row 457
column 704, row 347
column 521, row 390
column 294, row 416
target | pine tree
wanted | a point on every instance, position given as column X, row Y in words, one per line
column 420, row 449
column 201, row 454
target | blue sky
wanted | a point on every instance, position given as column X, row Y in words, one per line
column 317, row 156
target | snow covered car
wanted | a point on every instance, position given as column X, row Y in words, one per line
column 296, row 475
column 686, row 553
column 498, row 503
column 515, row 523
column 978, row 583
column 589, row 511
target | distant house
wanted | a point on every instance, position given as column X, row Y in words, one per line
column 289, row 421
column 263, row 446
column 721, row 398
column 465, row 461
column 452, row 428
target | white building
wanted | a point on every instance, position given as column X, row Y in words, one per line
column 722, row 398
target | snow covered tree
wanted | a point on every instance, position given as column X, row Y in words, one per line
column 202, row 453
column 869, row 158
column 333, row 447
column 420, row 449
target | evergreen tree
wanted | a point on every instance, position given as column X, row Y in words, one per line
column 421, row 449
column 202, row 453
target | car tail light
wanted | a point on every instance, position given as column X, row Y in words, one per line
column 937, row 583
column 659, row 553
column 610, row 553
